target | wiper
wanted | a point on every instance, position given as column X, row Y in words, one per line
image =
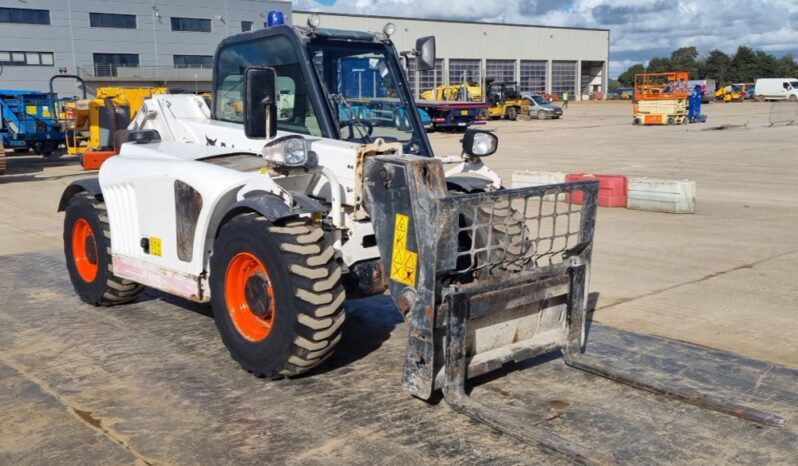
column 354, row 118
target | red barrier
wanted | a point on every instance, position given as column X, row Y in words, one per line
column 612, row 188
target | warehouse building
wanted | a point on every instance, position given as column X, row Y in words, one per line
column 171, row 43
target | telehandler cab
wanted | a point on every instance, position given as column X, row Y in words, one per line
column 279, row 202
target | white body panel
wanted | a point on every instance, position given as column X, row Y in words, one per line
column 139, row 190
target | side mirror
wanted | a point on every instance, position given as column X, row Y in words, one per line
column 479, row 143
column 425, row 53
column 260, row 102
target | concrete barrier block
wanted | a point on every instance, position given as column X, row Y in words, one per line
column 658, row 195
column 527, row 178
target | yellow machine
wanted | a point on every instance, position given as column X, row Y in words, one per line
column 464, row 92
column 91, row 123
column 661, row 98
column 731, row 93
column 505, row 100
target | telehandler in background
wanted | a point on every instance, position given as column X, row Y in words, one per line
column 275, row 215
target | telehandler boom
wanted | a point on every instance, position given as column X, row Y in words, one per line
column 279, row 202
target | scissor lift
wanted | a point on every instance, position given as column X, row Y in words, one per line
column 661, row 98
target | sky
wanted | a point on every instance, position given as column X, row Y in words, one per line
column 639, row 29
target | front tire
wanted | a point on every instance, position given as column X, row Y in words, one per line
column 87, row 248
column 276, row 294
column 512, row 114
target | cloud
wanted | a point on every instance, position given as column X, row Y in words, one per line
column 639, row 29
column 539, row 7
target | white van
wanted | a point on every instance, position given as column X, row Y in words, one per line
column 777, row 89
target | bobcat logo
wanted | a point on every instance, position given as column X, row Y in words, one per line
column 209, row 141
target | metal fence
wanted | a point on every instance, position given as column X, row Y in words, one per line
column 783, row 113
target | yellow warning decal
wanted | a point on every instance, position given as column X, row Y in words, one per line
column 155, row 246
column 403, row 262
column 46, row 112
column 31, row 109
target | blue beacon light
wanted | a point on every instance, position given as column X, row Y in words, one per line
column 275, row 18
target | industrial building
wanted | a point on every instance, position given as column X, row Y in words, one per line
column 171, row 42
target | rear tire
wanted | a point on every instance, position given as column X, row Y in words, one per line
column 793, row 98
column 283, row 316
column 87, row 248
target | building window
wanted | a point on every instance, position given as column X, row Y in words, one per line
column 193, row 61
column 246, row 26
column 427, row 80
column 108, row 20
column 500, row 70
column 461, row 70
column 26, row 58
column 191, row 24
column 24, row 15
column 106, row 64
column 563, row 77
column 533, row 76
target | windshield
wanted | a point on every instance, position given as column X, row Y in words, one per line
column 366, row 92
column 794, row 84
column 540, row 100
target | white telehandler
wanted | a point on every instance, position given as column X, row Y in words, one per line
column 283, row 199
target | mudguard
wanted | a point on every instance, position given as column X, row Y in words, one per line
column 89, row 185
column 467, row 184
column 272, row 207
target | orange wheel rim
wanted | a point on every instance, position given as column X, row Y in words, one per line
column 84, row 250
column 249, row 296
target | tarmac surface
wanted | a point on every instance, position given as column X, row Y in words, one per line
column 151, row 383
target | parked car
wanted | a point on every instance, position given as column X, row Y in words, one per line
column 777, row 89
column 541, row 108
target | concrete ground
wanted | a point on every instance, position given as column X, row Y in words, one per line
column 150, row 383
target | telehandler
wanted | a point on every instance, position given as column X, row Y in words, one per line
column 276, row 214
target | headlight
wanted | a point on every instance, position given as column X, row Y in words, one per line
column 479, row 143
column 287, row 151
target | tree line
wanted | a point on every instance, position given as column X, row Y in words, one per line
column 745, row 66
